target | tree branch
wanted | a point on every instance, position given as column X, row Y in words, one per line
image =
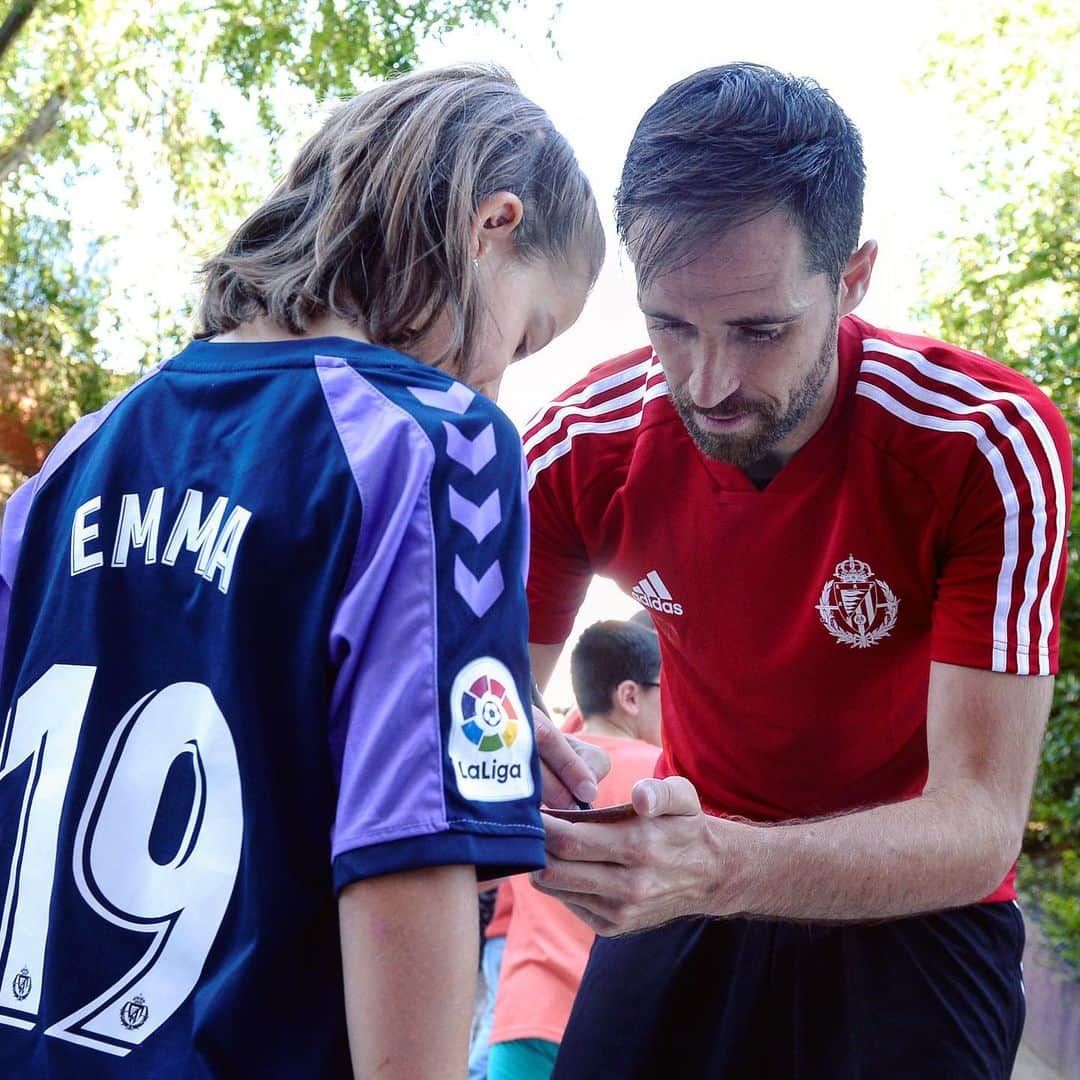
column 21, row 10
column 35, row 131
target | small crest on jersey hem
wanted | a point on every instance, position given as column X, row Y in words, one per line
column 857, row 608
column 491, row 736
column 134, row 1013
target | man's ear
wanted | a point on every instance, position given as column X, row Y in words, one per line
column 855, row 279
column 494, row 222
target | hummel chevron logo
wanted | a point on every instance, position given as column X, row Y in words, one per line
column 651, row 592
column 479, row 520
column 474, row 454
column 455, row 400
column 478, row 593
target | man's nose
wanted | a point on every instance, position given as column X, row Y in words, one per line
column 713, row 378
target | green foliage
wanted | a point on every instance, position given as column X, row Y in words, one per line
column 48, row 307
column 1061, row 907
column 1005, row 281
column 170, row 113
column 1055, row 884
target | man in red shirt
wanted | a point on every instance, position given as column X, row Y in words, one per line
column 851, row 542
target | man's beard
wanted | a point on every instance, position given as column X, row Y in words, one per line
column 745, row 450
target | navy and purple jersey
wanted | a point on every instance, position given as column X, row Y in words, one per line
column 262, row 629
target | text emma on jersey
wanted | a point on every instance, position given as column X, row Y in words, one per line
column 215, row 538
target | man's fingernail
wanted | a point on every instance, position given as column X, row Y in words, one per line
column 650, row 800
column 586, row 791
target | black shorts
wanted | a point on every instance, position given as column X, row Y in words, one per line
column 932, row 996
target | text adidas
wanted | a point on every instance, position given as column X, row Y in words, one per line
column 666, row 606
column 651, row 592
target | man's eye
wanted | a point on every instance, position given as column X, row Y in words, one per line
column 670, row 327
column 752, row 333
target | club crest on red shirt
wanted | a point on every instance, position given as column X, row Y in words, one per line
column 857, row 608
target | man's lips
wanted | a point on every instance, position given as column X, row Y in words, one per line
column 723, row 421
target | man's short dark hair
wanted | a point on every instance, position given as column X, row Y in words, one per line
column 728, row 145
column 608, row 653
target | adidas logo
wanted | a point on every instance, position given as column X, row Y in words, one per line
column 651, row 592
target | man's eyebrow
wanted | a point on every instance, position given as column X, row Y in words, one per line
column 755, row 320
column 764, row 320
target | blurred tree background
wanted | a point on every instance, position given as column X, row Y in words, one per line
column 171, row 111
column 1004, row 280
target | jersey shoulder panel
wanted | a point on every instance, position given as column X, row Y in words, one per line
column 915, row 395
column 435, row 402
column 996, row 453
column 591, row 428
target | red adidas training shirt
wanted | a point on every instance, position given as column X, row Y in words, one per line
column 926, row 520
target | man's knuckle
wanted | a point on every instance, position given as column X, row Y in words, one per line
column 563, row 845
column 635, row 892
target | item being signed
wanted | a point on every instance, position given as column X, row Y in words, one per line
column 599, row 815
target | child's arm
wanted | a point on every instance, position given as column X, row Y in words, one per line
column 409, row 951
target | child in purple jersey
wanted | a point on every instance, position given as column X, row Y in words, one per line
column 335, row 670
column 443, row 216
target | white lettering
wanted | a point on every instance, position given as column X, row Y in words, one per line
column 81, row 534
column 216, row 538
column 498, row 771
column 668, row 607
column 136, row 529
column 224, row 553
column 192, row 532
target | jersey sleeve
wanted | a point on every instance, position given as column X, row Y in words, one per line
column 1002, row 574
column 431, row 728
column 12, row 524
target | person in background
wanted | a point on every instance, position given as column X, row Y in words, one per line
column 573, row 722
column 615, row 671
column 262, row 624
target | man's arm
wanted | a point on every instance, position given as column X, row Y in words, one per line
column 953, row 844
column 950, row 846
column 408, row 950
column 544, row 658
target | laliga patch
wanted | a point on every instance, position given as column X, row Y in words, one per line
column 490, row 734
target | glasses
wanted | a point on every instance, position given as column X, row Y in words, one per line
column 649, row 684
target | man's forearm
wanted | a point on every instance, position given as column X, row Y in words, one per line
column 944, row 849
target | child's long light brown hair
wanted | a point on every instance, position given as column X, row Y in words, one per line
column 372, row 223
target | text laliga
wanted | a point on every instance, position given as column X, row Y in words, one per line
column 215, row 537
column 498, row 771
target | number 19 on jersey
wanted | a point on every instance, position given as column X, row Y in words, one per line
column 177, row 905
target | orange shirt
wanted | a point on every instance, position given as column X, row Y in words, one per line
column 500, row 916
column 547, row 947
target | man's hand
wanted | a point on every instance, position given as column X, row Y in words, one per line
column 638, row 873
column 570, row 768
